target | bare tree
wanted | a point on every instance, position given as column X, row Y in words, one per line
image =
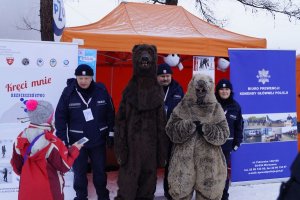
column 286, row 7
column 27, row 25
column 46, row 21
column 46, row 16
column 167, row 2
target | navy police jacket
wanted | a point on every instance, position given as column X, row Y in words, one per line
column 70, row 122
column 173, row 96
column 235, row 122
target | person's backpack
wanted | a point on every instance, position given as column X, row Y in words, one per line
column 290, row 190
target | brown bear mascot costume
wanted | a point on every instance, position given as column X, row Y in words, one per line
column 140, row 139
column 198, row 128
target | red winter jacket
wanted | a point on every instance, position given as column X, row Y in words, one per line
column 41, row 175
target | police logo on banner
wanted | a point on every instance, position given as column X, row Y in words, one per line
column 10, row 60
column 59, row 19
column 53, row 62
column 25, row 61
column 40, row 62
column 66, row 63
column 263, row 76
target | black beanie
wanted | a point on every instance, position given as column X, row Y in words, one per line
column 164, row 69
column 223, row 83
column 84, row 70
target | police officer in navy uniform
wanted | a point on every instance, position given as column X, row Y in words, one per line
column 173, row 91
column 233, row 113
column 173, row 95
column 85, row 109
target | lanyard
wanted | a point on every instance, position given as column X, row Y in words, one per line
column 81, row 97
column 166, row 94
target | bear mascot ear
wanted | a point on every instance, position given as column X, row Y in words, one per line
column 154, row 48
column 135, row 47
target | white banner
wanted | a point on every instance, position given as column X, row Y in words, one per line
column 29, row 70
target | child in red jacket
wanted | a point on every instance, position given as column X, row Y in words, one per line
column 39, row 157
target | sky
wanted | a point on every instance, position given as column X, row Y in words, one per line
column 13, row 12
column 280, row 33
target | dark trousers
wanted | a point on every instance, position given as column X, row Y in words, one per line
column 137, row 178
column 166, row 185
column 97, row 156
column 225, row 191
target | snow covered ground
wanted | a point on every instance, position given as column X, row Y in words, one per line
column 264, row 191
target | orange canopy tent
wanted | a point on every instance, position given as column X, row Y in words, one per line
column 171, row 28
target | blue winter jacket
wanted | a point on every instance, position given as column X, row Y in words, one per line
column 174, row 96
column 235, row 122
column 70, row 122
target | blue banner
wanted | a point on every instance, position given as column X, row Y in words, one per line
column 264, row 84
column 89, row 57
column 264, row 80
column 259, row 161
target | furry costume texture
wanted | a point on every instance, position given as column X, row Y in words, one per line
column 140, row 139
column 197, row 162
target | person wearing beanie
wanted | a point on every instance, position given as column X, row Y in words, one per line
column 85, row 109
column 173, row 90
column 173, row 95
column 232, row 109
column 84, row 70
column 39, row 157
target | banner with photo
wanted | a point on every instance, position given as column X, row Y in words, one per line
column 204, row 65
column 29, row 70
column 264, row 85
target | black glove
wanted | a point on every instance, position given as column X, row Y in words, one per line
column 110, row 142
column 198, row 127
